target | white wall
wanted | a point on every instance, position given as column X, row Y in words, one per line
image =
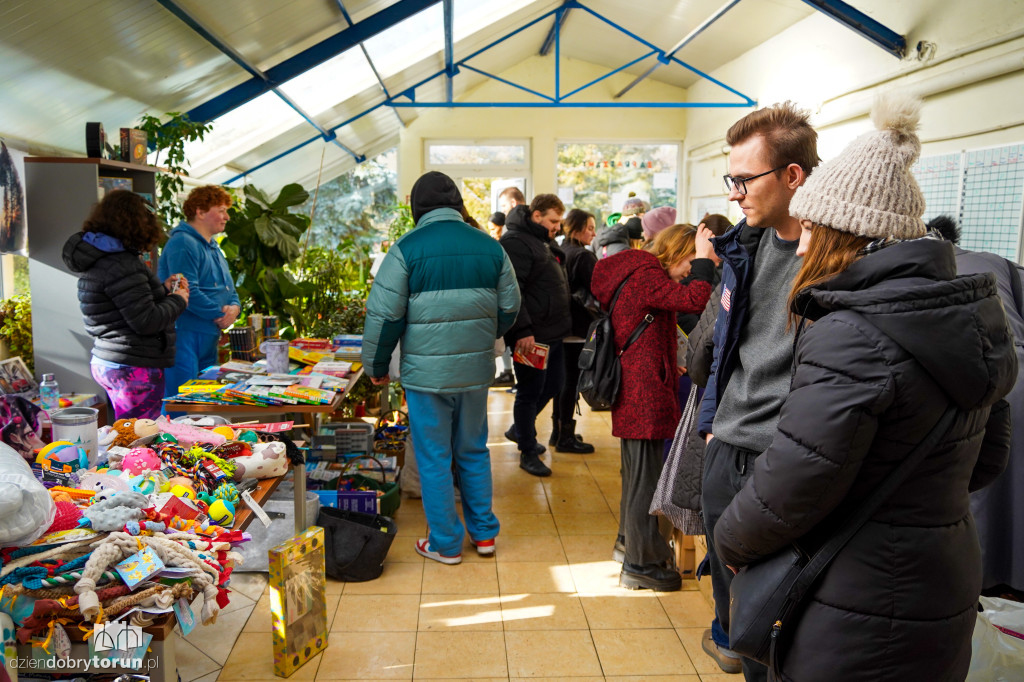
column 972, row 100
column 545, row 127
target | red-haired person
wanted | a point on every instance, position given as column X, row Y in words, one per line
column 213, row 303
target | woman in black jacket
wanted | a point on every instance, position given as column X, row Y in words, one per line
column 129, row 313
column 891, row 338
column 579, row 268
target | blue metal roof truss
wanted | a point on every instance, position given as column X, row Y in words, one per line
column 881, row 35
column 407, row 98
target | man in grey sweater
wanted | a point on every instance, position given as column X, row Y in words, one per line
column 773, row 150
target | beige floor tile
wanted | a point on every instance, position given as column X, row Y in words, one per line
column 575, row 485
column 212, row 677
column 413, row 525
column 520, row 504
column 581, row 549
column 459, row 613
column 332, row 609
column 259, row 619
column 458, row 655
column 604, row 468
column 687, row 609
column 601, row 523
column 253, row 659
column 333, row 586
column 691, row 638
column 397, row 578
column 250, row 585
column 368, row 655
column 542, row 612
column 718, row 677
column 403, row 551
column 663, row 653
column 237, row 602
column 609, row 485
column 518, row 548
column 464, row 578
column 534, row 577
column 377, row 613
column 217, row 640
column 656, row 678
column 527, row 524
column 599, row 577
column 193, row 663
column 625, row 611
column 517, row 483
column 567, row 467
column 551, row 653
column 556, row 679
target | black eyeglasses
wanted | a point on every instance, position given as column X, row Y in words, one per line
column 740, row 184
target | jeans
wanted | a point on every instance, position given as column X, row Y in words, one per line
column 726, row 469
column 535, row 387
column 195, row 351
column 447, row 428
column 563, row 409
column 641, row 468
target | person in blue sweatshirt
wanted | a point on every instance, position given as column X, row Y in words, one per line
column 213, row 303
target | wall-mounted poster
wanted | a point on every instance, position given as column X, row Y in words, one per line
column 13, row 233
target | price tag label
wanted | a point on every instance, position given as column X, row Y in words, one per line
column 186, row 618
column 256, row 508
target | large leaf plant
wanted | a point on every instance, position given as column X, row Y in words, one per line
column 262, row 238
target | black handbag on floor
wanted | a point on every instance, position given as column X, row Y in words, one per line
column 356, row 544
column 765, row 598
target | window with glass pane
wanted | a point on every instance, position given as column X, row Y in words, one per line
column 598, row 176
column 476, row 154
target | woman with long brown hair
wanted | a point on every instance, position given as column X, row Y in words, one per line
column 127, row 310
column 647, row 409
column 888, row 339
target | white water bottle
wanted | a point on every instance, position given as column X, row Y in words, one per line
column 49, row 393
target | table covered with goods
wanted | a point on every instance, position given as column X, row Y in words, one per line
column 108, row 541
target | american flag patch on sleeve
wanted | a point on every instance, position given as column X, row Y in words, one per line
column 726, row 299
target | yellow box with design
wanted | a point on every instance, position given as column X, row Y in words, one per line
column 298, row 600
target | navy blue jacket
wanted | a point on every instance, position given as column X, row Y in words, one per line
column 737, row 249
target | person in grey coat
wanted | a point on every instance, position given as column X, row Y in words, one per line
column 999, row 509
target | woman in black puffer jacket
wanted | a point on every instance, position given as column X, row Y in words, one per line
column 894, row 339
column 128, row 312
column 579, row 268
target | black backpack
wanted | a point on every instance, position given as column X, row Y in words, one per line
column 600, row 370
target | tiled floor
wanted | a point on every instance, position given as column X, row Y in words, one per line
column 546, row 606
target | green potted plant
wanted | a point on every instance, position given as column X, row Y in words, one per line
column 16, row 328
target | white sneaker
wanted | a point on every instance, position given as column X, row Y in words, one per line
column 423, row 549
column 484, row 547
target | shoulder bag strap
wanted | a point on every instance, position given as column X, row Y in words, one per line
column 639, row 328
column 824, row 556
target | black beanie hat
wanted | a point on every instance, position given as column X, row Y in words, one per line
column 434, row 190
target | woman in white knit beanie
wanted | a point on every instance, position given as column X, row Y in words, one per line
column 900, row 349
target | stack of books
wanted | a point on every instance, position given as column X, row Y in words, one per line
column 348, row 347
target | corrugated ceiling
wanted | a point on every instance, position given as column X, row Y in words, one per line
column 65, row 63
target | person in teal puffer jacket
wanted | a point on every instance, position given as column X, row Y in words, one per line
column 447, row 291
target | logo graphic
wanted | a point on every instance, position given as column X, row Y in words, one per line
column 117, row 636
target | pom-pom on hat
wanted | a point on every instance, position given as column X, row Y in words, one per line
column 634, row 205
column 656, row 220
column 868, row 190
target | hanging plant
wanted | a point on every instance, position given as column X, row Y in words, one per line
column 170, row 135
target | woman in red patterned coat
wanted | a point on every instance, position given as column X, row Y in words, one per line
column 647, row 409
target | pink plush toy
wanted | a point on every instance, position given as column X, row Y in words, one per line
column 140, row 461
column 189, row 435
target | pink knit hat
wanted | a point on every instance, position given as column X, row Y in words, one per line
column 656, row 220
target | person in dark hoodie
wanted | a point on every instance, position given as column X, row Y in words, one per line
column 213, row 305
column 647, row 409
column 894, row 339
column 999, row 509
column 126, row 309
column 543, row 318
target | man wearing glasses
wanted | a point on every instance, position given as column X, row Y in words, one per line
column 773, row 150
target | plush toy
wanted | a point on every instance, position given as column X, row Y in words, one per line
column 188, row 435
column 267, row 460
column 100, row 482
column 26, row 508
column 114, row 511
column 140, row 461
column 127, row 431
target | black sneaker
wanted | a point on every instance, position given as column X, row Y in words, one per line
column 506, row 378
column 650, row 577
column 511, row 434
column 531, row 464
column 574, row 446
